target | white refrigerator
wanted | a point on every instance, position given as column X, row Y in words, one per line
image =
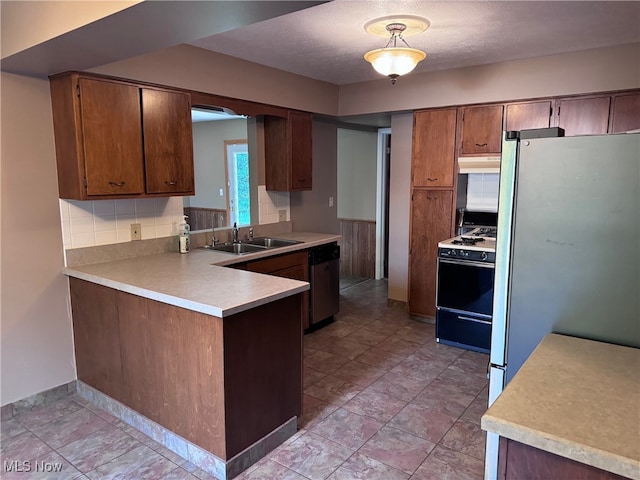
column 567, row 250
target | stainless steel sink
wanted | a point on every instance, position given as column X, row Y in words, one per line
column 268, row 242
column 236, row 248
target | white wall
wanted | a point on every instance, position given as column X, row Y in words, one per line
column 36, row 335
column 602, row 69
column 399, row 206
column 357, row 163
column 25, row 24
column 310, row 210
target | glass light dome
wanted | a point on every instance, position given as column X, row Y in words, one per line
column 394, row 61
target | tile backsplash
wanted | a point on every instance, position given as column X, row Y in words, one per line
column 270, row 202
column 103, row 222
column 482, row 192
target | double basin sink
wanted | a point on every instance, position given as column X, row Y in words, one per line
column 253, row 245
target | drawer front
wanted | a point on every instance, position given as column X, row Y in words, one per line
column 281, row 262
column 463, row 330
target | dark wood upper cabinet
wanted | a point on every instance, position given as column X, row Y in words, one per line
column 110, row 138
column 168, row 141
column 288, row 154
column 117, row 139
column 482, row 130
column 583, row 116
column 625, row 113
column 434, row 146
column 524, row 116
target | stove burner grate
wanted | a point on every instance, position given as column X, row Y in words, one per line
column 468, row 240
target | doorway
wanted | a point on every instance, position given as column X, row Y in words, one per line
column 382, row 203
column 237, row 179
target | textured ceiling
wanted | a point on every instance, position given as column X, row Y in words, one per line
column 327, row 42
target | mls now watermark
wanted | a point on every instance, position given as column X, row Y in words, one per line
column 31, row 466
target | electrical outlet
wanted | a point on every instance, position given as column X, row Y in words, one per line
column 136, row 231
column 282, row 215
column 331, row 201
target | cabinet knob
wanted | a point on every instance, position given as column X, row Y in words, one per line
column 171, row 183
column 117, row 184
column 432, row 179
column 481, row 144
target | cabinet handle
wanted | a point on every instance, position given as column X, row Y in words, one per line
column 481, row 144
column 116, row 184
column 171, row 183
column 432, row 179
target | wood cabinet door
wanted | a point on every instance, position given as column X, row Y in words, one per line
column 583, row 116
column 482, row 130
column 300, row 125
column 625, row 113
column 168, row 141
column 431, row 212
column 523, row 116
column 112, row 133
column 96, row 337
column 287, row 152
column 434, row 146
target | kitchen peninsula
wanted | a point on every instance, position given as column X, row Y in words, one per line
column 205, row 356
column 571, row 411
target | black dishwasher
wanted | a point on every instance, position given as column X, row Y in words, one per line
column 324, row 278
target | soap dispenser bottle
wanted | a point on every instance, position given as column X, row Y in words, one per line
column 183, row 235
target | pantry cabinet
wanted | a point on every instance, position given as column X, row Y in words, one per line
column 583, row 116
column 118, row 139
column 527, row 115
column 431, row 213
column 482, row 130
column 433, row 154
column 288, row 155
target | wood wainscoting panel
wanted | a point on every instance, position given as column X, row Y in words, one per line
column 201, row 218
column 175, row 369
column 358, row 248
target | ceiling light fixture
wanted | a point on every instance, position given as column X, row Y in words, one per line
column 392, row 60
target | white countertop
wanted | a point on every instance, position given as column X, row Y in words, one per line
column 198, row 280
column 576, row 398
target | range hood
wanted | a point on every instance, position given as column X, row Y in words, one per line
column 475, row 164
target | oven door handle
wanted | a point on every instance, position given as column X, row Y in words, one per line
column 477, row 320
column 467, row 263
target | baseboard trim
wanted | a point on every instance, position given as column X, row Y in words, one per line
column 201, row 458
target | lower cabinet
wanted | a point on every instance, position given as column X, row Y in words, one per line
column 221, row 383
column 431, row 214
column 290, row 265
column 518, row 461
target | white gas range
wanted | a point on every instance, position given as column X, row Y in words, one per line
column 471, row 245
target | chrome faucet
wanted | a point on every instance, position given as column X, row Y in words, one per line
column 235, row 232
column 215, row 221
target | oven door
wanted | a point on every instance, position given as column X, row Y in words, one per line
column 465, row 286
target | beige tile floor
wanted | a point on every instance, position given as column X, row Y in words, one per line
column 382, row 401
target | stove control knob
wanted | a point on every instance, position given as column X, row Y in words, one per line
column 453, row 252
column 483, row 255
